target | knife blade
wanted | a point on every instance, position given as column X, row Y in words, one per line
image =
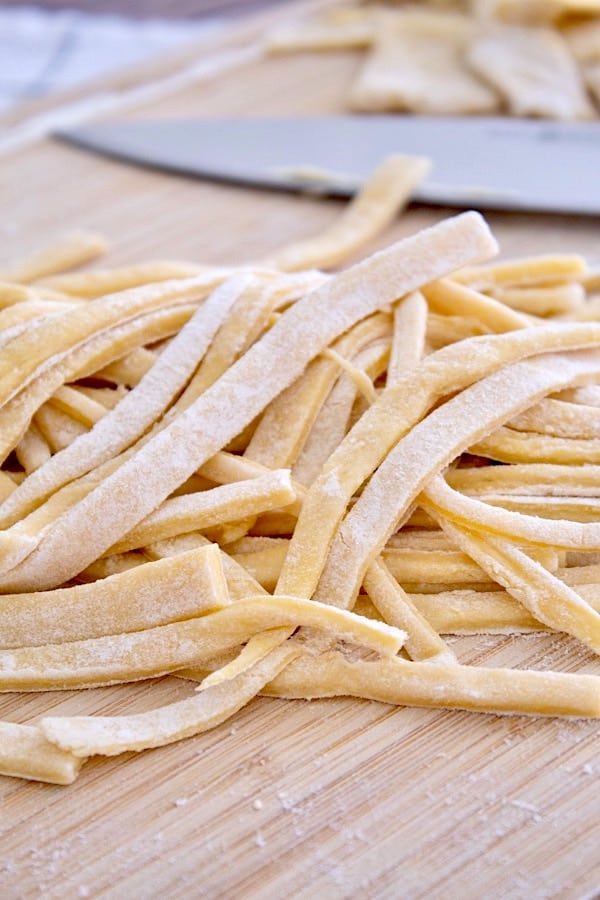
column 486, row 163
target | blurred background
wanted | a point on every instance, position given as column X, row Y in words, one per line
column 52, row 45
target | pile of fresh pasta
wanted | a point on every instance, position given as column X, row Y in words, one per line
column 462, row 57
column 269, row 479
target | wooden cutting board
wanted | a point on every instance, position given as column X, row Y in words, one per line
column 336, row 798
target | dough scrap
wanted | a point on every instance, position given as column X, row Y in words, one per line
column 416, row 64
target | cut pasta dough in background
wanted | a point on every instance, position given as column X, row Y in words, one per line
column 487, row 57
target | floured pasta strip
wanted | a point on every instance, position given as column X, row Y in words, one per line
column 355, row 33
column 560, row 418
column 244, row 391
column 80, row 362
column 407, row 566
column 32, row 451
column 508, row 445
column 532, row 528
column 110, row 736
column 545, row 596
column 26, row 753
column 33, row 351
column 78, row 405
column 397, row 410
column 158, row 593
column 446, row 296
column 202, row 509
column 562, row 299
column 333, row 421
column 528, row 271
column 540, row 479
column 58, row 429
column 284, row 427
column 139, row 409
column 576, row 509
column 98, row 283
column 162, row 527
column 387, row 190
column 407, row 683
column 157, row 650
column 67, row 253
column 386, row 498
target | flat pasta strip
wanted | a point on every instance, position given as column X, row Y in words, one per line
column 27, row 311
column 239, row 583
column 80, row 362
column 11, row 292
column 333, row 420
column 399, row 408
column 16, row 414
column 396, row 608
column 561, row 299
column 579, row 509
column 100, row 282
column 320, row 36
column 108, row 397
column 285, row 425
column 130, row 369
column 247, row 320
column 255, row 379
column 446, row 296
column 34, row 350
column 536, row 270
column 545, row 596
column 444, row 330
column 408, row 341
column 78, row 405
column 433, row 567
column 376, row 205
column 202, row 509
column 446, row 566
column 588, row 395
column 390, row 599
column 406, row 683
column 66, row 253
column 139, row 409
column 560, row 418
column 32, row 451
column 543, row 479
column 508, row 445
column 26, row 753
column 387, row 497
column 57, row 428
column 475, row 612
column 111, row 735
column 180, row 587
column 166, row 648
column 531, row 528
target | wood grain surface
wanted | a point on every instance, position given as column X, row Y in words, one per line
column 337, row 798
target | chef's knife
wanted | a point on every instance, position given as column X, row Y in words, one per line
column 488, row 163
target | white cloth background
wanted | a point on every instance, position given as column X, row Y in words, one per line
column 43, row 51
